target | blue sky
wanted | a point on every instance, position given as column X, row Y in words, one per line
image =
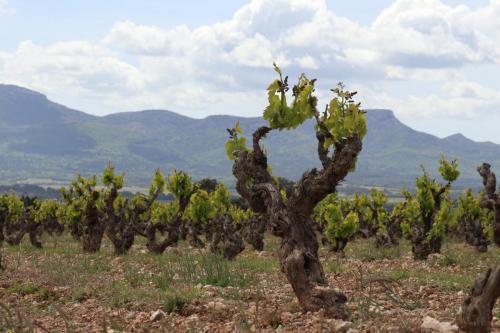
column 434, row 62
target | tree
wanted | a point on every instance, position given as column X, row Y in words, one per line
column 491, row 199
column 472, row 220
column 341, row 128
column 428, row 212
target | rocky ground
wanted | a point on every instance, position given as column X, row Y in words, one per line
column 59, row 289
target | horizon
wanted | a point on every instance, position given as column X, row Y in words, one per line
column 216, row 58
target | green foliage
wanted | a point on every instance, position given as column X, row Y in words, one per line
column 444, row 216
column 343, row 117
column 278, row 113
column 109, row 179
column 239, row 215
column 200, row 208
column 47, row 211
column 235, row 142
column 469, row 210
column 411, row 214
column 336, row 215
column 158, row 184
column 11, row 208
column 221, row 199
column 164, row 212
column 180, row 184
column 448, row 170
column 422, row 212
column 80, row 197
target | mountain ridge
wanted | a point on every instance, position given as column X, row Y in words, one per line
column 42, row 139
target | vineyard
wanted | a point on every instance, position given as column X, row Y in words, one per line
column 276, row 255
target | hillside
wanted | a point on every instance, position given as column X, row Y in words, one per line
column 40, row 139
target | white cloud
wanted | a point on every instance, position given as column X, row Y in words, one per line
column 5, row 8
column 210, row 68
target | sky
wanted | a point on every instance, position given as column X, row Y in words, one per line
column 435, row 63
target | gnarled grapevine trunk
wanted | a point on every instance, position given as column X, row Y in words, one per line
column 291, row 220
column 14, row 232
column 491, row 199
column 393, row 235
column 253, row 232
column 92, row 229
column 122, row 235
column 224, row 238
column 172, row 236
column 475, row 315
column 475, row 236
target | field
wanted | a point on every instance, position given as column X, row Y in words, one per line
column 60, row 289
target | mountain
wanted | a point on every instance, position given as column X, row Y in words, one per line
column 40, row 139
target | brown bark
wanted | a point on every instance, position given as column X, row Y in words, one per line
column 93, row 228
column 491, row 199
column 119, row 229
column 393, row 235
column 253, row 232
column 292, row 222
column 224, row 238
column 474, row 235
column 171, row 230
column 475, row 314
column 172, row 236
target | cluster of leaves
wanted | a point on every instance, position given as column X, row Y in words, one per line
column 343, row 117
column 338, row 219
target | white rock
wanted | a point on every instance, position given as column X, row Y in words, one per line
column 341, row 326
column 448, row 328
column 352, row 330
column 433, row 325
column 156, row 315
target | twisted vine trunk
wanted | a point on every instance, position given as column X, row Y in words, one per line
column 224, row 238
column 474, row 235
column 122, row 235
column 253, row 232
column 93, row 229
column 173, row 230
column 158, row 247
column 393, row 235
column 292, row 220
column 475, row 314
column 491, row 199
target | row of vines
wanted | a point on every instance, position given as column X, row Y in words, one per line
column 206, row 214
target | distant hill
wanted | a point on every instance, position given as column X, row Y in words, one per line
column 40, row 139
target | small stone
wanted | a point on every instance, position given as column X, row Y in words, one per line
column 130, row 315
column 433, row 325
column 352, row 330
column 448, row 328
column 342, row 326
column 156, row 315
